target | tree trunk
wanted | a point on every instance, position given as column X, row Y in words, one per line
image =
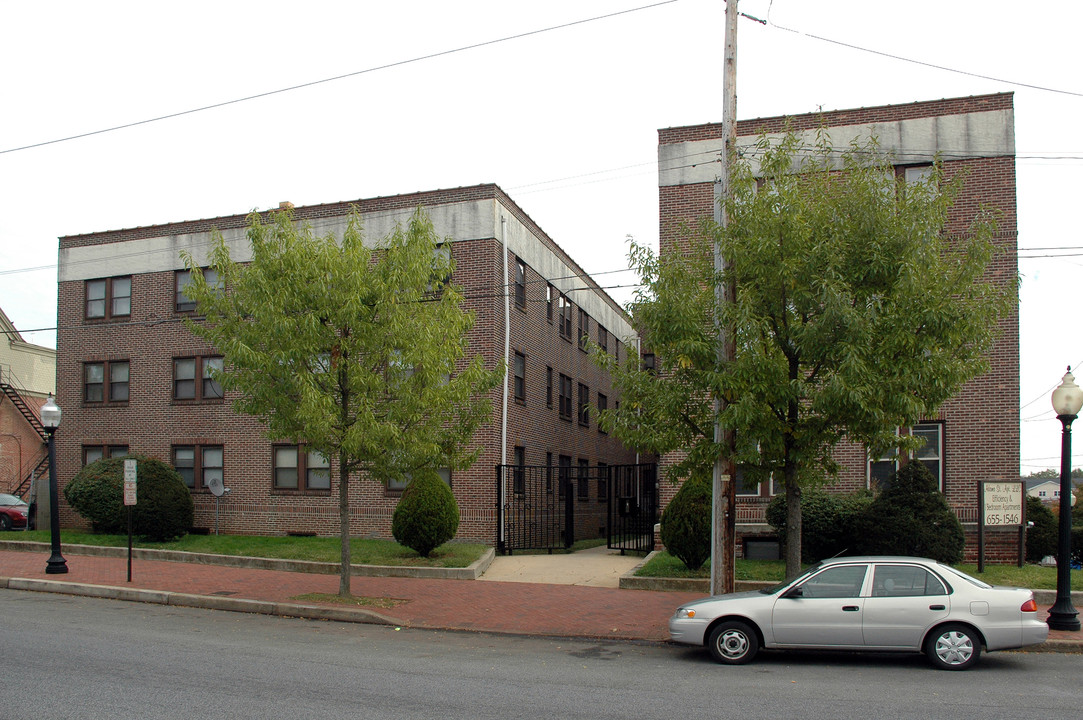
column 344, row 526
column 793, row 524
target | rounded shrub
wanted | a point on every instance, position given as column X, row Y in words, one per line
column 1042, row 537
column 164, row 509
column 828, row 522
column 686, row 522
column 911, row 517
column 427, row 515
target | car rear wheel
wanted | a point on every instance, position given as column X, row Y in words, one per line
column 733, row 643
column 953, row 647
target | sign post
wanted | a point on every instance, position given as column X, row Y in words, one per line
column 1000, row 504
column 130, row 494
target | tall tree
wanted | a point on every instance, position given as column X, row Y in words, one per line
column 358, row 351
column 857, row 313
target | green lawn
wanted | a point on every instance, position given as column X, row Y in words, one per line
column 318, row 549
column 1030, row 576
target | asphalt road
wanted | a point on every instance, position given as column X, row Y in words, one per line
column 76, row 657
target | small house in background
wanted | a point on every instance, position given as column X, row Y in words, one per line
column 27, row 378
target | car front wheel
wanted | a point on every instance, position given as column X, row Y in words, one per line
column 733, row 643
column 953, row 647
column 5, row 522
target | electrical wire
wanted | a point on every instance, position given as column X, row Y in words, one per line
column 901, row 58
column 377, row 68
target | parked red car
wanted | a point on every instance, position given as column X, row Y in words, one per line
column 13, row 512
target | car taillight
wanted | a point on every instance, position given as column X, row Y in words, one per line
column 1029, row 606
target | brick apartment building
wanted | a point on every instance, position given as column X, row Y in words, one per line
column 131, row 377
column 975, row 437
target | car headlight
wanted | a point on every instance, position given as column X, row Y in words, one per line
column 684, row 614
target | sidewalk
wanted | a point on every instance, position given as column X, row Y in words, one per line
column 518, row 608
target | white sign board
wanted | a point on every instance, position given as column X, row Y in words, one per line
column 1001, row 503
column 130, row 481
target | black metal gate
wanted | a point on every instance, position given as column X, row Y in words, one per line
column 551, row 507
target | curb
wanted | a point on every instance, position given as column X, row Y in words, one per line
column 471, row 572
column 205, row 602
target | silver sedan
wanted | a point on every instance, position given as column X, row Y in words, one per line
column 889, row 604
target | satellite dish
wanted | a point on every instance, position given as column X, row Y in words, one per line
column 216, row 486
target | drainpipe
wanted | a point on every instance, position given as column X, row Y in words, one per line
column 507, row 366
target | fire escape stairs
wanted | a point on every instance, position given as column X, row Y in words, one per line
column 19, row 402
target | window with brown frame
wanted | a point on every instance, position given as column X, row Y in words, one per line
column 565, row 409
column 519, row 473
column 584, row 404
column 200, row 465
column 195, row 378
column 584, row 329
column 564, row 317
column 106, row 382
column 109, row 298
column 520, row 377
column 92, row 453
column 296, row 468
column 182, row 303
column 520, row 284
column 603, row 405
column 548, row 387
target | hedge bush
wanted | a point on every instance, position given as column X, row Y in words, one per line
column 1042, row 537
column 427, row 515
column 911, row 517
column 828, row 522
column 164, row 509
column 686, row 522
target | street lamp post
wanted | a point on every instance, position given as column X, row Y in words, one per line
column 1067, row 401
column 50, row 418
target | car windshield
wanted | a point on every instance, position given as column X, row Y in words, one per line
column 949, row 570
column 786, row 583
column 6, row 499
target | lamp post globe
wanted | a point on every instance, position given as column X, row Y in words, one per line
column 1067, row 402
column 50, row 419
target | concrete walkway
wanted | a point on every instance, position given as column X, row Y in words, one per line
column 596, row 567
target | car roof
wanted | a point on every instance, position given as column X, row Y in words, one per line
column 877, row 558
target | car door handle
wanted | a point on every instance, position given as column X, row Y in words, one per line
column 849, row 608
column 936, row 607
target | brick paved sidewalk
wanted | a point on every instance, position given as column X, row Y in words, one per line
column 503, row 607
column 500, row 607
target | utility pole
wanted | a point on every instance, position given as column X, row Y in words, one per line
column 723, row 486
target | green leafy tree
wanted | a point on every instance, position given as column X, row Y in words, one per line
column 357, row 351
column 858, row 311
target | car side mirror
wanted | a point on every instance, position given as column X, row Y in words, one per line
column 794, row 593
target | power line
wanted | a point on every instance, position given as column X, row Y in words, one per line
column 917, row 62
column 387, row 66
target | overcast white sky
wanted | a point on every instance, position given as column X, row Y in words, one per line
column 564, row 120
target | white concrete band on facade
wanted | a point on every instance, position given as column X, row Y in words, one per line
column 457, row 221
column 914, row 141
